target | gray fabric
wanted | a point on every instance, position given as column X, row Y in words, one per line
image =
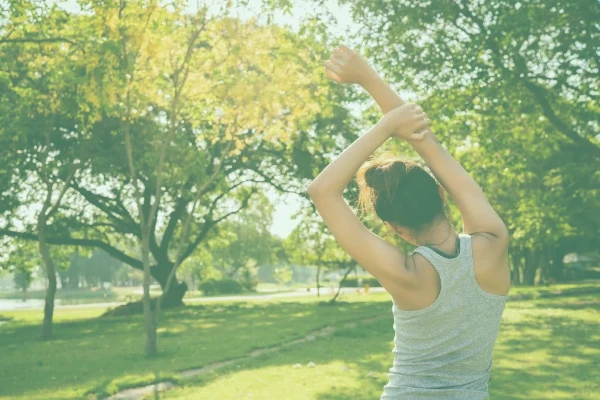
column 444, row 351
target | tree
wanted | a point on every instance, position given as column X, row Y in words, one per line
column 254, row 97
column 21, row 258
column 311, row 243
column 512, row 89
column 46, row 155
column 244, row 237
column 282, row 275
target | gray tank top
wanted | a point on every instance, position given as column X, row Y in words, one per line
column 444, row 351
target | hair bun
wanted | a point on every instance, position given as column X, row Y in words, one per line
column 381, row 177
column 375, row 178
column 399, row 191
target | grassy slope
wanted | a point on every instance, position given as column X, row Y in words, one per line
column 547, row 349
column 98, row 356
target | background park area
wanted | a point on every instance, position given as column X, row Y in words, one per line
column 156, row 237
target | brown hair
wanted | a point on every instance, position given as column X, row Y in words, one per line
column 400, row 192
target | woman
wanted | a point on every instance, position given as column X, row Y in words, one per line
column 450, row 292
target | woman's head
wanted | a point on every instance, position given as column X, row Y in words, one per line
column 403, row 195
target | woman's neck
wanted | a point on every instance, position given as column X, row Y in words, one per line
column 442, row 237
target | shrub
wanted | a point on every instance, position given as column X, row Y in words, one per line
column 228, row 286
column 352, row 281
column 208, row 287
column 220, row 286
column 247, row 277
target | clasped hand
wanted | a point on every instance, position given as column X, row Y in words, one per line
column 408, row 122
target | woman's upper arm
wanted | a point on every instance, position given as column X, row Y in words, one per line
column 479, row 216
column 477, row 213
column 381, row 259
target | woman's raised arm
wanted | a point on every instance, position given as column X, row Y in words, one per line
column 347, row 66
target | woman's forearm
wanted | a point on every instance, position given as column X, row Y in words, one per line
column 385, row 97
column 336, row 176
column 453, row 177
column 477, row 213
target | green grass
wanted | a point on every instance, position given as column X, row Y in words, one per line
column 581, row 285
column 547, row 349
column 95, row 357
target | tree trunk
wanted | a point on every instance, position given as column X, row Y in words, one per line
column 516, row 255
column 558, row 267
column 531, row 266
column 64, row 279
column 318, row 284
column 342, row 283
column 151, row 345
column 514, row 266
column 174, row 297
column 73, row 273
column 50, row 274
column 545, row 264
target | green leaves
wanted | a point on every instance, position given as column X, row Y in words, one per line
column 512, row 93
column 207, row 91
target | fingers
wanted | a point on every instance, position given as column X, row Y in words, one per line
column 332, row 76
column 417, row 109
column 419, row 135
column 335, row 68
column 346, row 49
column 422, row 123
column 338, row 58
column 339, row 54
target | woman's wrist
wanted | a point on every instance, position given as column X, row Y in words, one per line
column 371, row 81
column 386, row 125
column 385, row 97
column 428, row 140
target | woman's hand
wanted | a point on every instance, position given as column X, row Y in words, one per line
column 407, row 122
column 347, row 66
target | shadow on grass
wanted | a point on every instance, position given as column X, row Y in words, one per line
column 364, row 349
column 544, row 356
column 103, row 355
column 550, row 356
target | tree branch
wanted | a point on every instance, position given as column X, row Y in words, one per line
column 210, row 222
column 66, row 186
column 174, row 217
column 539, row 93
column 69, row 241
column 269, row 181
column 128, row 225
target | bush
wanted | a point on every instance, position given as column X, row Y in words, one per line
column 247, row 277
column 208, row 287
column 352, row 281
column 228, row 286
column 220, row 286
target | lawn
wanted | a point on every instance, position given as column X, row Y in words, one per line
column 547, row 349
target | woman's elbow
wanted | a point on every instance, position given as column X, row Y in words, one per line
column 314, row 189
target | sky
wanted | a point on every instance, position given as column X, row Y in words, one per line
column 285, row 205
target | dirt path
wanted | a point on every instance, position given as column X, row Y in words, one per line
column 141, row 392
